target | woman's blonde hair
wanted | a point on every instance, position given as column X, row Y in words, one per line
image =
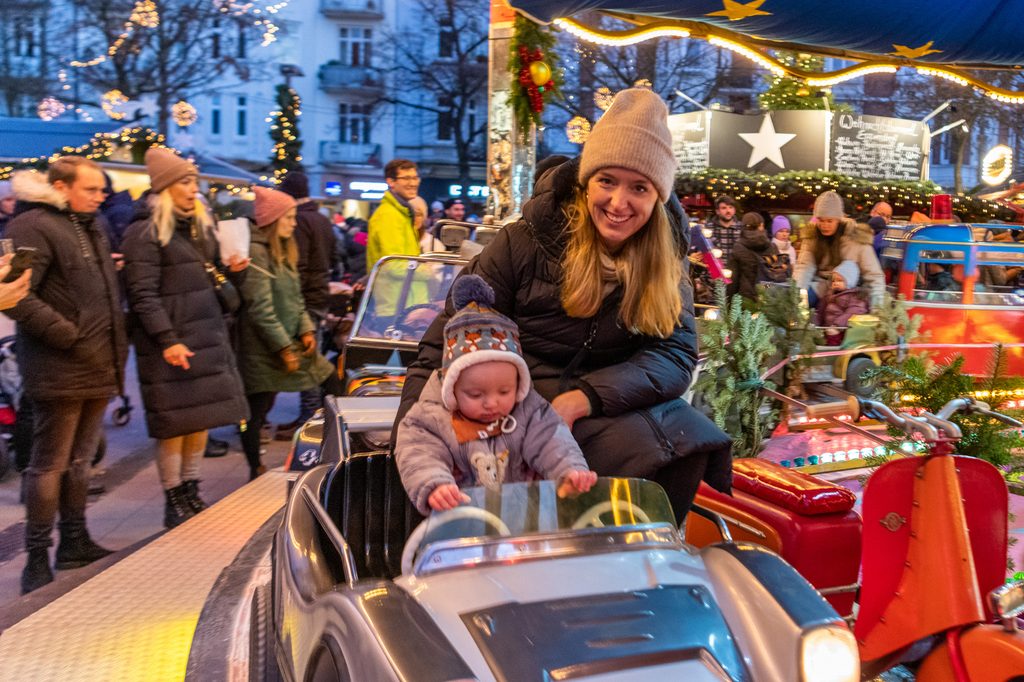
column 648, row 267
column 282, row 251
column 165, row 219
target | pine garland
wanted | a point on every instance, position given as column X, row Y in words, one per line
column 530, row 43
column 284, row 131
column 859, row 195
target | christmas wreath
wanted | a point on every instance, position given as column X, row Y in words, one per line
column 535, row 73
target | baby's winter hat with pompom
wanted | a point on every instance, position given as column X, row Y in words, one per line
column 478, row 333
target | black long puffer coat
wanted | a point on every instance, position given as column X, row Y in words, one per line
column 173, row 301
column 71, row 331
column 745, row 261
column 634, row 382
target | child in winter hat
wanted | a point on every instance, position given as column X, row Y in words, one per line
column 478, row 420
column 781, row 229
column 844, row 300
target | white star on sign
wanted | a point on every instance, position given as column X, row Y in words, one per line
column 766, row 143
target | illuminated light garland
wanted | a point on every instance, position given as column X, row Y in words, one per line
column 643, row 84
column 50, row 108
column 184, row 114
column 101, row 147
column 603, row 98
column 577, row 130
column 845, row 75
column 112, row 102
column 772, row 65
column 621, row 38
column 942, row 73
column 997, row 165
column 145, row 14
column 662, row 29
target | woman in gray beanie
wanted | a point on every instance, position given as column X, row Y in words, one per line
column 594, row 275
column 830, row 239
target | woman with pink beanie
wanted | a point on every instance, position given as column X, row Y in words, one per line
column 186, row 366
column 278, row 349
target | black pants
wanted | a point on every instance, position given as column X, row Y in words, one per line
column 259, row 406
column 670, row 443
column 66, row 435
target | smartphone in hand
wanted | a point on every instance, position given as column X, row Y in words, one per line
column 22, row 261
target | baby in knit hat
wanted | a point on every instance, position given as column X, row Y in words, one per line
column 478, row 420
column 844, row 300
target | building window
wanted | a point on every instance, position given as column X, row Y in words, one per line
column 215, row 40
column 241, row 127
column 471, row 115
column 215, row 115
column 446, row 43
column 25, row 37
column 445, row 122
column 354, row 123
column 241, row 41
column 355, row 44
column 880, row 85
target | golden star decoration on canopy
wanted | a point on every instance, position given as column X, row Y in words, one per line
column 914, row 52
column 737, row 10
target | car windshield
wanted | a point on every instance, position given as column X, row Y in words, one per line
column 403, row 297
column 524, row 509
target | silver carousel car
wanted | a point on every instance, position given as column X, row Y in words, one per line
column 520, row 584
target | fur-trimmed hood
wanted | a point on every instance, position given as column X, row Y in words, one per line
column 858, row 233
column 31, row 187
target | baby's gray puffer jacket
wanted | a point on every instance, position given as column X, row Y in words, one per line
column 428, row 454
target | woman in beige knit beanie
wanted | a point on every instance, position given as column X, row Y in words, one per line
column 831, row 238
column 186, row 365
column 593, row 276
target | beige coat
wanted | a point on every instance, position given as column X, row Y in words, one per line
column 855, row 245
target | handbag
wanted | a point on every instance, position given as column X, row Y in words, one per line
column 227, row 294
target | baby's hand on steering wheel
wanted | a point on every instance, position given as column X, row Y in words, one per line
column 446, row 496
column 576, row 482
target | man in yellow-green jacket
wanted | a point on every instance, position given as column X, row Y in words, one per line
column 391, row 230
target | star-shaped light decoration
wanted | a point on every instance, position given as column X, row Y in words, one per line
column 737, row 10
column 914, row 52
column 766, row 143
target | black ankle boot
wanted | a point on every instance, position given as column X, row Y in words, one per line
column 195, row 502
column 37, row 571
column 76, row 549
column 177, row 510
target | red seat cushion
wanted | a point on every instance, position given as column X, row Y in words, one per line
column 792, row 490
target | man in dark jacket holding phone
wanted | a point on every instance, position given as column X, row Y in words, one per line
column 71, row 351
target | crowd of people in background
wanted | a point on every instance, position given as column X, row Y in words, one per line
column 217, row 336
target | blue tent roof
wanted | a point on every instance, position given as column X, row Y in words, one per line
column 22, row 138
column 980, row 32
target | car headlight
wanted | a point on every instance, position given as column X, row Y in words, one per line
column 829, row 654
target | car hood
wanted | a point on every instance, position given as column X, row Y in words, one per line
column 626, row 615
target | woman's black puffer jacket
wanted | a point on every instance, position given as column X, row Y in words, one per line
column 633, row 381
column 172, row 301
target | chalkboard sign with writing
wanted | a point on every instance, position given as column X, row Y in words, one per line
column 690, row 140
column 878, row 147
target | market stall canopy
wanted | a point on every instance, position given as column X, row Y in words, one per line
column 981, row 33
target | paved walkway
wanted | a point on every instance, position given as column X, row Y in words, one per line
column 130, row 513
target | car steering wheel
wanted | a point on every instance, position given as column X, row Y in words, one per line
column 592, row 517
column 455, row 514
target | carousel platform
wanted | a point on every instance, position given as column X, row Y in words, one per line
column 177, row 609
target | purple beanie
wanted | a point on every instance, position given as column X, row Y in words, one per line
column 780, row 222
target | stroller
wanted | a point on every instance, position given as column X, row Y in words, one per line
column 16, row 414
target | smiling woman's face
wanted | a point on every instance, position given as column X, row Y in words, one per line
column 620, row 202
